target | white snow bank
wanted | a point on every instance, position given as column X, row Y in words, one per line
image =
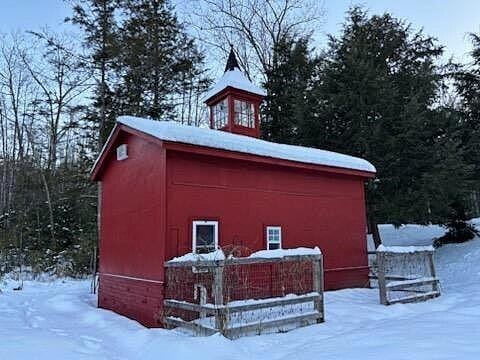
column 214, row 255
column 411, row 234
column 407, row 235
column 236, row 79
column 279, row 253
column 176, row 132
column 404, row 249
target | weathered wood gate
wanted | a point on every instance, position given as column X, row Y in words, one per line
column 408, row 272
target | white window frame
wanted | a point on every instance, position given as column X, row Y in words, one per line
column 194, row 233
column 279, row 228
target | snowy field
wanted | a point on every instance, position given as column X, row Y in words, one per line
column 59, row 320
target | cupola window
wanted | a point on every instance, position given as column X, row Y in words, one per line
column 244, row 113
column 220, row 114
column 234, row 101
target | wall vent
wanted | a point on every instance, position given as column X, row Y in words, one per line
column 122, row 152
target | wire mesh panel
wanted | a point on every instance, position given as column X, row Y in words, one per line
column 406, row 274
column 240, row 296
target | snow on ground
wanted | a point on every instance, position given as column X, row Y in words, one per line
column 411, row 234
column 407, row 235
column 59, row 320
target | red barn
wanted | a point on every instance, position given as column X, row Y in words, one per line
column 168, row 189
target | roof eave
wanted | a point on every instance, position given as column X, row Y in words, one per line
column 181, row 146
column 205, row 150
column 226, row 91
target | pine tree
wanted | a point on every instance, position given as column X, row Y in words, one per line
column 156, row 60
column 376, row 97
column 287, row 86
column 467, row 83
column 97, row 18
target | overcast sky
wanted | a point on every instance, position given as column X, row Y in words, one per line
column 447, row 20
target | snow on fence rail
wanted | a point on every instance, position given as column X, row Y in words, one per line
column 406, row 274
column 242, row 296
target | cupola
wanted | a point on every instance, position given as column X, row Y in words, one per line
column 234, row 101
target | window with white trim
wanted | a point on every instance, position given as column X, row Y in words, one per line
column 274, row 237
column 205, row 236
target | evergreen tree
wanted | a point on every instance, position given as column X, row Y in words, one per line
column 376, row 97
column 468, row 86
column 97, row 18
column 157, row 62
column 288, row 85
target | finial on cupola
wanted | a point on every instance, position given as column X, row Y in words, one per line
column 234, row 101
column 232, row 62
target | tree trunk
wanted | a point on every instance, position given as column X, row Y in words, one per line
column 373, row 229
column 50, row 210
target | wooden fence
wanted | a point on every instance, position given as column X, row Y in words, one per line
column 406, row 274
column 242, row 296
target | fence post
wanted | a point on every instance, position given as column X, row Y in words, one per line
column 432, row 270
column 220, row 319
column 318, row 287
column 381, row 277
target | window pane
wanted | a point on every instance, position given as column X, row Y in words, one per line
column 272, row 246
column 244, row 113
column 205, row 238
column 220, row 114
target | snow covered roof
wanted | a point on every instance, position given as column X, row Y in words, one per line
column 236, row 79
column 176, row 132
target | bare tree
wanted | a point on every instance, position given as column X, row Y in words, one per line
column 61, row 79
column 16, row 91
column 253, row 27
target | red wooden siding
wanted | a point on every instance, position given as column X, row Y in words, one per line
column 132, row 227
column 150, row 200
column 137, row 299
column 314, row 209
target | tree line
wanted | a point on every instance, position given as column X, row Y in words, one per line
column 378, row 90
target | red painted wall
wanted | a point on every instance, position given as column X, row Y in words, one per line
column 314, row 209
column 131, row 242
column 148, row 203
